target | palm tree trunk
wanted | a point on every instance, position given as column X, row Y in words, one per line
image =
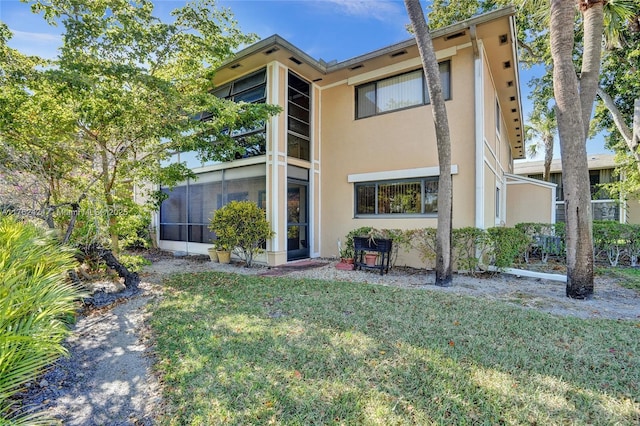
column 444, row 272
column 548, row 157
column 575, row 174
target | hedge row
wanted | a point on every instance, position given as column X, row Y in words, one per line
column 505, row 247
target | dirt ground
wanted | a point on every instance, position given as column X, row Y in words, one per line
column 108, row 378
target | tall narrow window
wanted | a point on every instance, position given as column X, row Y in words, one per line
column 299, row 117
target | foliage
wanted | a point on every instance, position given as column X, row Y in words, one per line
column 423, row 240
column 469, row 245
column 347, row 251
column 506, row 245
column 132, row 262
column 36, row 302
column 542, row 239
column 126, row 89
column 241, row 226
column 632, row 238
column 608, row 239
column 291, row 351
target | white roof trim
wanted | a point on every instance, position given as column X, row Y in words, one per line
column 523, row 179
column 399, row 174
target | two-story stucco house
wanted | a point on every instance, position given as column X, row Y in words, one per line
column 355, row 144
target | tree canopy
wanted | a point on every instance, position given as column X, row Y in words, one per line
column 124, row 93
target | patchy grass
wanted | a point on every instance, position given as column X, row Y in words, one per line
column 236, row 349
column 629, row 277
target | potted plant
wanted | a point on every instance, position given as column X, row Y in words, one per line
column 213, row 253
column 370, row 259
column 223, row 253
column 346, row 258
column 242, row 228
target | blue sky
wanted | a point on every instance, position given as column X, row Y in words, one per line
column 325, row 29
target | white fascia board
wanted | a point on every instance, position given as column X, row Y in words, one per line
column 517, row 179
column 399, row 174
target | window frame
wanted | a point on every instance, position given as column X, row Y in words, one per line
column 376, row 186
column 424, row 91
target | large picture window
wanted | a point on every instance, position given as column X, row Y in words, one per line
column 399, row 92
column 399, row 197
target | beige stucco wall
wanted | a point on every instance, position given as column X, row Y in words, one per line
column 633, row 210
column 395, row 141
column 528, row 202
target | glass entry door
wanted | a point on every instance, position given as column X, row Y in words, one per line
column 297, row 220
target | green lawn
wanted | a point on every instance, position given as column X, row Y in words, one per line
column 236, row 349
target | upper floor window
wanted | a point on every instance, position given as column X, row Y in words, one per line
column 399, row 92
column 405, row 197
column 251, row 89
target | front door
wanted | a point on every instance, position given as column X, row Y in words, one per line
column 297, row 220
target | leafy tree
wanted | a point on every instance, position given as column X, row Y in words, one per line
column 124, row 93
column 444, row 270
column 619, row 89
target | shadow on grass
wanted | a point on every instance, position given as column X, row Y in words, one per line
column 238, row 349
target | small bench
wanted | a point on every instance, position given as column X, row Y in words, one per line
column 380, row 246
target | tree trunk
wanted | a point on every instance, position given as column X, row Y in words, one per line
column 548, row 157
column 107, row 186
column 571, row 129
column 445, row 186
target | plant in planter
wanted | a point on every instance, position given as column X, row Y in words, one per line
column 213, row 253
column 241, row 227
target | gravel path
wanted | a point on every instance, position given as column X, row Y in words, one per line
column 108, row 379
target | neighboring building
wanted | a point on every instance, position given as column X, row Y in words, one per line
column 355, row 144
column 601, row 171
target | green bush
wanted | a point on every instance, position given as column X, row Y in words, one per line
column 36, row 302
column 241, row 226
column 608, row 240
column 468, row 245
column 423, row 241
column 632, row 238
column 506, row 246
column 133, row 262
column 347, row 250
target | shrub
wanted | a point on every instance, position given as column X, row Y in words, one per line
column 468, row 245
column 347, row 251
column 241, row 226
column 632, row 238
column 133, row 262
column 608, row 238
column 506, row 245
column 423, row 240
column 36, row 302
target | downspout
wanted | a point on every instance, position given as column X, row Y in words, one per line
column 479, row 128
